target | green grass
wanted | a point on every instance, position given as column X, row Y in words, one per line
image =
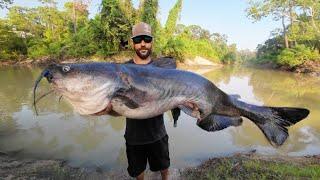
column 251, row 168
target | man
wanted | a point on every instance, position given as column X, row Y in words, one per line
column 146, row 139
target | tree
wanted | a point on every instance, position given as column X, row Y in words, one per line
column 78, row 12
column 12, row 44
column 232, row 56
column 270, row 49
column 307, row 28
column 198, row 33
column 149, row 13
column 116, row 27
column 173, row 18
column 128, row 10
column 4, row 3
column 278, row 9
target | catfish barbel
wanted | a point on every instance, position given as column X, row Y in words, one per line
column 141, row 92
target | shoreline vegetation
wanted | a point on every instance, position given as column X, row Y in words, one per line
column 309, row 67
column 30, row 35
column 237, row 166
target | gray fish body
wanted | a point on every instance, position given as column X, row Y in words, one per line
column 141, row 92
column 158, row 90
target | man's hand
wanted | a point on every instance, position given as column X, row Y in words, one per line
column 175, row 114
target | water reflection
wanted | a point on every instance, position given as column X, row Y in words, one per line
column 58, row 132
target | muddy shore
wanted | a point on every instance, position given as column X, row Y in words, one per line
column 238, row 166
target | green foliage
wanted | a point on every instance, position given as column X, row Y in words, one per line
column 149, row 14
column 78, row 14
column 165, row 41
column 192, row 41
column 47, row 31
column 115, row 27
column 175, row 47
column 232, row 56
column 12, row 46
column 297, row 55
column 173, row 18
column 82, row 44
column 38, row 50
column 129, row 11
column 301, row 35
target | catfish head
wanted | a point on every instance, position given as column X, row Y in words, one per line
column 87, row 87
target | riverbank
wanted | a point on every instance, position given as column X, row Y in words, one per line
column 309, row 67
column 116, row 58
column 198, row 64
column 239, row 166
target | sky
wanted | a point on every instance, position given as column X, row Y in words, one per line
column 225, row 17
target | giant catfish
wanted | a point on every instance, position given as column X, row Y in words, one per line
column 141, row 92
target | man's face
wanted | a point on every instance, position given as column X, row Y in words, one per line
column 143, row 46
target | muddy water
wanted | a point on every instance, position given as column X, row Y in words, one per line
column 60, row 133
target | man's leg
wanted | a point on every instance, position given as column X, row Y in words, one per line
column 137, row 160
column 141, row 176
column 165, row 174
column 158, row 157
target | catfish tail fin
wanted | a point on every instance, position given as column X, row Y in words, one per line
column 273, row 121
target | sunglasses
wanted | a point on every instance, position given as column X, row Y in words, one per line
column 138, row 39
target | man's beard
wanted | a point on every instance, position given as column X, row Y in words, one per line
column 143, row 55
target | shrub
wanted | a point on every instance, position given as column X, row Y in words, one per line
column 175, row 47
column 38, row 50
column 296, row 56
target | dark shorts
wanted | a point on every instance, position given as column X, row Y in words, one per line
column 156, row 154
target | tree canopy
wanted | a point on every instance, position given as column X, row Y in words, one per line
column 46, row 31
column 299, row 39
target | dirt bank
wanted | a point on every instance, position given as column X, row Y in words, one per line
column 12, row 167
column 240, row 166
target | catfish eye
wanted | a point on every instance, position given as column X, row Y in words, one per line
column 65, row 68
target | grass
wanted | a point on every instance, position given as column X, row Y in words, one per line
column 246, row 167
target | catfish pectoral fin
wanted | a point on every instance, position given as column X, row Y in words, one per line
column 217, row 122
column 126, row 101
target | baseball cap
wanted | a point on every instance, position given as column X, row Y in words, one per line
column 140, row 29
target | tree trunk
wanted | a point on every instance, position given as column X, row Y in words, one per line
column 291, row 23
column 74, row 17
column 286, row 43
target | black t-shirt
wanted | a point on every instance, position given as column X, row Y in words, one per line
column 144, row 131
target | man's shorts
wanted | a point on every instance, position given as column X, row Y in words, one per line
column 156, row 154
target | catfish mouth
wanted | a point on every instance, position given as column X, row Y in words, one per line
column 51, row 79
column 44, row 73
column 83, row 94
